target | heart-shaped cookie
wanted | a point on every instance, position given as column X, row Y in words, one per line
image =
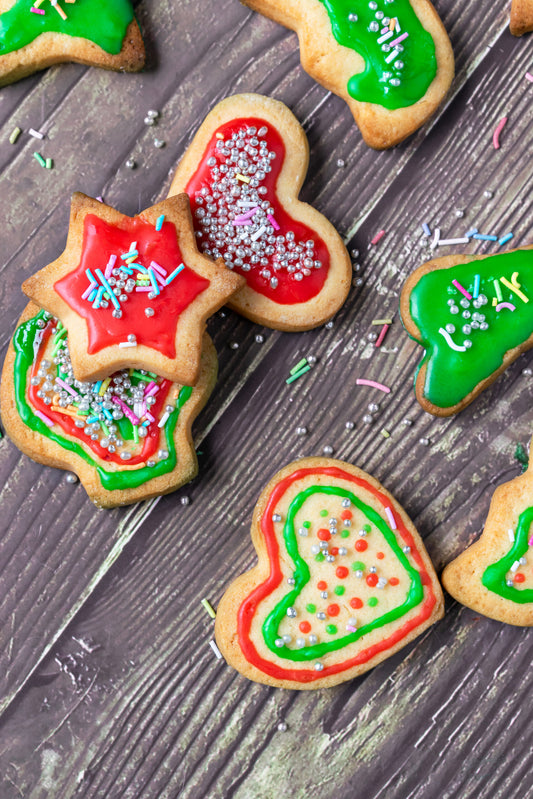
column 127, row 437
column 495, row 575
column 243, row 172
column 474, row 316
column 390, row 60
column 342, row 582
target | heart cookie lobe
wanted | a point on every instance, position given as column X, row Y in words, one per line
column 343, row 580
column 474, row 316
column 494, row 576
column 243, row 172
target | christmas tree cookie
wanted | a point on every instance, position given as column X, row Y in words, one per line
column 133, row 292
column 521, row 17
column 474, row 316
column 495, row 575
column 243, row 173
column 342, row 580
column 390, row 60
column 35, row 35
column 128, row 437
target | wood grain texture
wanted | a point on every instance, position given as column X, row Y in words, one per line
column 109, row 687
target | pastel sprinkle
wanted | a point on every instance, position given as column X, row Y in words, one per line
column 382, row 334
column 390, row 517
column 110, row 265
column 505, row 239
column 242, row 177
column 426, row 229
column 154, row 265
column 361, row 381
column 109, row 290
column 38, row 157
column 14, row 135
column 528, row 76
column 49, row 164
column 451, row 342
column 153, row 281
column 481, row 237
column 298, row 366
column 471, row 232
column 398, row 40
column 385, row 433
column 273, row 222
column 436, row 237
column 462, row 289
column 296, row 375
column 159, row 222
column 164, row 419
column 477, row 282
column 88, row 291
column 208, row 607
column 497, row 289
column 98, row 298
column 496, row 134
column 44, row 418
column 508, row 305
column 514, row 286
column 37, row 10
column 446, row 242
column 124, row 408
column 216, row 650
column 124, row 344
column 174, row 274
column 36, row 134
column 379, row 235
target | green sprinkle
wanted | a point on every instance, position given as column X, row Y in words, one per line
column 385, row 433
column 521, row 456
column 14, row 135
column 358, row 565
column 307, row 525
column 382, row 321
column 372, row 602
column 310, row 608
column 339, row 590
column 135, row 433
column 105, row 428
column 367, row 528
column 320, row 557
column 208, row 607
column 324, row 513
column 296, row 375
column 299, row 365
column 38, row 157
column 49, row 164
column 345, row 533
column 331, row 629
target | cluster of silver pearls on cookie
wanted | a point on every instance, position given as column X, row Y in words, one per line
column 58, row 387
column 467, row 320
column 389, row 39
column 234, row 217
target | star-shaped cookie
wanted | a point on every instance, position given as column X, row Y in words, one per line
column 133, row 292
column 35, row 35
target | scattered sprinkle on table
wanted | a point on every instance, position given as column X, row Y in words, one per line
column 529, row 77
column 362, row 381
column 496, row 134
column 208, row 608
column 38, row 157
column 14, row 135
column 382, row 334
column 303, row 366
column 377, row 238
column 36, row 134
column 216, row 650
column 385, row 433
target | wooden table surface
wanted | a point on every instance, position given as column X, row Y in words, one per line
column 108, row 685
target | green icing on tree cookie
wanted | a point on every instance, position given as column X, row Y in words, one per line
column 466, row 337
column 400, row 64
column 103, row 22
column 500, row 577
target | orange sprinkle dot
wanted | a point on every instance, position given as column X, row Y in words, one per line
column 356, row 603
column 305, row 627
column 346, row 514
column 380, row 555
column 334, row 550
column 361, row 545
column 394, row 581
column 341, row 572
column 333, row 610
column 324, row 534
column 322, row 585
column 372, row 580
column 519, row 577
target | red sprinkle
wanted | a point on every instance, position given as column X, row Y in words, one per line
column 519, row 577
column 394, row 581
column 378, row 237
column 346, row 514
column 383, row 333
column 324, row 534
column 333, row 610
column 341, row 572
column 361, row 545
column 322, row 585
column 305, row 627
column 356, row 603
column 372, row 580
column 380, row 555
column 334, row 550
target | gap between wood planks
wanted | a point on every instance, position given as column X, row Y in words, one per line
column 138, row 514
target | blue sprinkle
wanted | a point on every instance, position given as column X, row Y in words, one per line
column 174, row 274
column 132, row 254
column 92, row 295
column 97, row 386
column 481, row 237
column 426, row 229
column 98, row 299
column 159, row 223
column 505, row 239
column 471, row 232
column 92, row 419
column 477, row 281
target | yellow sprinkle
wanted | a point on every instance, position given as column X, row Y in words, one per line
column 37, row 3
column 382, row 321
column 67, row 411
column 207, row 605
column 392, row 24
column 59, row 10
column 385, row 433
column 131, row 260
column 103, row 387
column 514, row 285
column 220, row 135
column 242, row 177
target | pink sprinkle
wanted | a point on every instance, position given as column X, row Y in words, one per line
column 149, row 416
column 508, row 305
column 100, row 198
column 382, row 335
column 155, row 265
column 110, row 265
column 37, row 10
column 530, row 542
column 247, row 215
column 378, row 237
column 361, row 381
column 64, row 385
column 122, row 405
column 151, row 390
column 273, row 222
column 88, row 291
column 529, row 77
column 144, row 288
column 462, row 289
column 351, row 629
column 150, row 385
column 390, row 517
column 242, row 222
column 44, row 418
column 496, row 134
column 398, row 40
